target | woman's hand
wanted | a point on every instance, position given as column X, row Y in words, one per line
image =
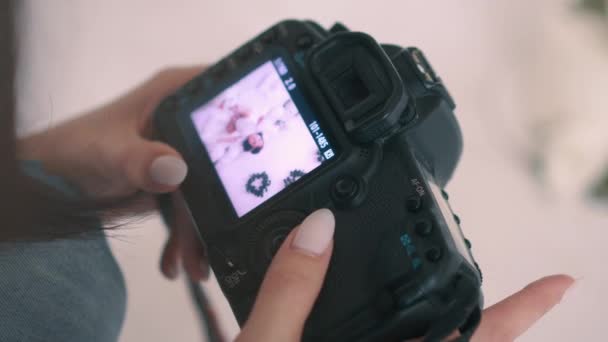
column 292, row 282
column 110, row 153
column 296, row 274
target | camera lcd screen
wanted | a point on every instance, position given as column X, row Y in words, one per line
column 261, row 135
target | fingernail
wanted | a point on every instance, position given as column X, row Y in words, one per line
column 172, row 271
column 571, row 289
column 315, row 233
column 168, row 170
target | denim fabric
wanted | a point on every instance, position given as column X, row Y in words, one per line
column 63, row 290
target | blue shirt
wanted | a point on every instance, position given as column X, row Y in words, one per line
column 63, row 290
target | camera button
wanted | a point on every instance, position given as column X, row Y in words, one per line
column 257, row 47
column 433, row 254
column 413, row 203
column 268, row 37
column 276, row 241
column 479, row 271
column 347, row 191
column 445, row 195
column 304, row 41
column 467, row 242
column 243, row 53
column 345, row 187
column 457, row 218
column 269, row 235
column 423, row 227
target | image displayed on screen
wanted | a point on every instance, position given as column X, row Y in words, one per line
column 261, row 135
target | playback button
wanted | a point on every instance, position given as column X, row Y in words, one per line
column 413, row 203
column 423, row 227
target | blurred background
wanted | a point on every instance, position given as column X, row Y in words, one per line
column 530, row 79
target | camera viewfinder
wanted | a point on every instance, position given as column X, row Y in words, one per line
column 360, row 82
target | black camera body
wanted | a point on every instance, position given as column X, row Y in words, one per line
column 386, row 142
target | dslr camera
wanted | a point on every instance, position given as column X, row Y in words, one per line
column 301, row 118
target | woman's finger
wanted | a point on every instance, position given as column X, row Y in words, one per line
column 169, row 260
column 508, row 319
column 292, row 282
column 153, row 166
column 193, row 255
column 183, row 243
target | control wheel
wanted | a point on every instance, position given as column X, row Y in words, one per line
column 348, row 191
column 274, row 240
column 270, row 233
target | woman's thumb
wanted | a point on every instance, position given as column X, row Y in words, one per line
column 292, row 282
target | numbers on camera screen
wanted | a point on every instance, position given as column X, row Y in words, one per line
column 281, row 67
column 289, row 84
column 322, row 141
column 314, row 127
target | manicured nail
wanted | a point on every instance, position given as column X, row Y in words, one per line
column 168, row 170
column 315, row 233
column 172, row 271
column 571, row 289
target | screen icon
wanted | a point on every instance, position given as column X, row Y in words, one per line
column 281, row 67
column 328, row 154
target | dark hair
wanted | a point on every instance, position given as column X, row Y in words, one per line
column 247, row 146
column 30, row 209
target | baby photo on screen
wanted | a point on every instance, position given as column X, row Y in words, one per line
column 256, row 138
